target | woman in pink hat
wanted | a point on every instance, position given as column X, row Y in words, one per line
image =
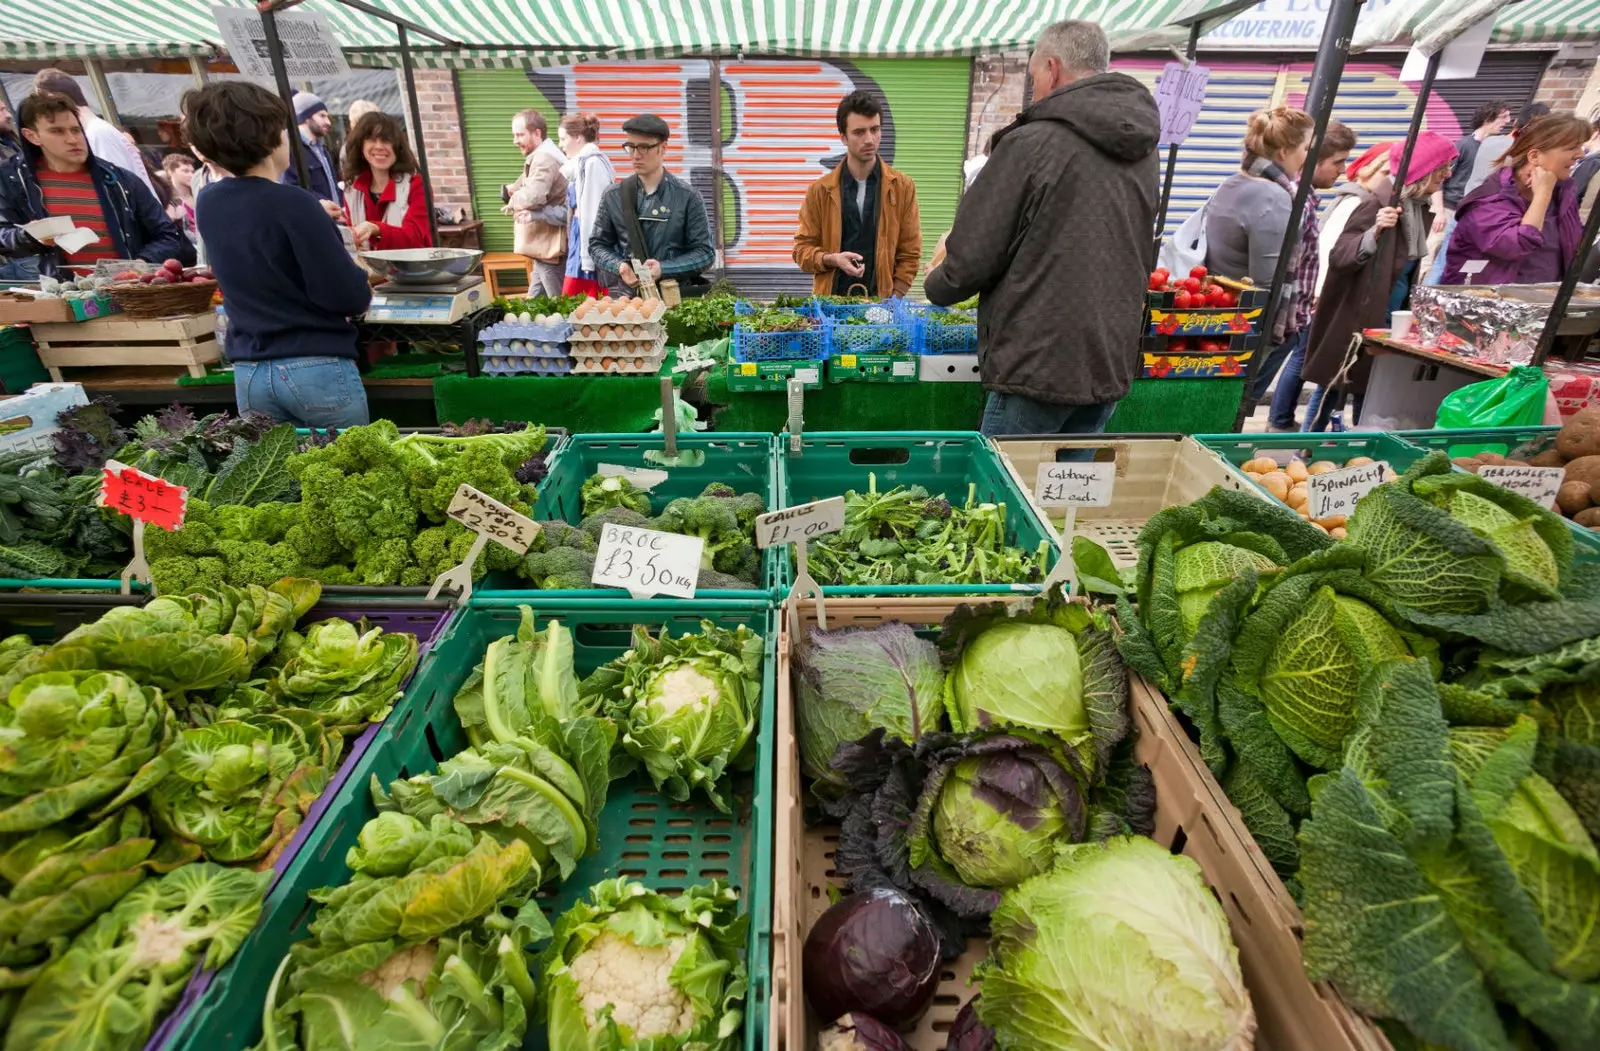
column 1370, row 266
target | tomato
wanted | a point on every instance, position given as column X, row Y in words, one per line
column 1158, row 283
column 1214, row 346
column 1182, row 301
column 1198, row 271
column 1229, row 299
column 1162, row 272
column 1217, row 297
column 1192, row 284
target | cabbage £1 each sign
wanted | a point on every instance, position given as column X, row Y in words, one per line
column 1539, row 484
column 799, row 525
column 646, row 562
column 1335, row 493
column 491, row 520
column 1072, row 485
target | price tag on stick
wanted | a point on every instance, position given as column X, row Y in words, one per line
column 1336, row 492
column 798, row 525
column 147, row 500
column 646, row 562
column 1539, row 484
column 491, row 520
column 1075, row 484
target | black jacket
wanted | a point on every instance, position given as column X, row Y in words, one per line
column 679, row 238
column 1056, row 235
column 139, row 227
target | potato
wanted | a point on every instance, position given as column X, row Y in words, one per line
column 1322, row 467
column 1492, row 459
column 1573, row 497
column 1584, row 469
column 1467, row 463
column 1580, row 434
column 1316, row 526
column 1298, row 495
column 1277, row 483
column 1588, row 517
column 1337, row 532
column 1304, row 510
column 1358, row 461
column 1331, row 522
column 1296, row 471
column 1261, row 465
column 1548, row 458
column 1512, row 460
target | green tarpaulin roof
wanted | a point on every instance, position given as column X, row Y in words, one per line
column 1431, row 24
column 497, row 32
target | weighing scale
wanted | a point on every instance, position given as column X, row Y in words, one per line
column 396, row 303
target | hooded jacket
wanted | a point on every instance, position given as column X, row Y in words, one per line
column 139, row 225
column 1489, row 226
column 1056, row 236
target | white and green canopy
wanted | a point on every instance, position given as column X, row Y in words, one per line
column 1431, row 24
column 535, row 32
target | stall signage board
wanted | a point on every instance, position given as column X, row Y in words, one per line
column 1336, row 492
column 1539, row 484
column 1075, row 484
column 310, row 50
column 800, row 523
column 645, row 562
column 1180, row 96
column 143, row 497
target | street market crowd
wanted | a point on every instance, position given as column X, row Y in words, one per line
column 1053, row 233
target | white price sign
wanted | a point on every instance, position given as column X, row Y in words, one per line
column 1075, row 484
column 1336, row 492
column 645, row 562
column 484, row 514
column 904, row 368
column 640, row 477
column 794, row 525
column 808, row 375
column 1538, row 484
column 310, row 48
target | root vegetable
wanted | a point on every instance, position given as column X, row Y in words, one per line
column 1580, row 434
column 1261, row 465
column 1296, row 471
column 1573, row 497
column 1322, row 467
column 1298, row 496
column 1358, row 461
column 1337, row 532
column 1584, row 469
column 1589, row 517
column 1467, row 463
column 1548, row 458
column 1277, row 483
column 1492, row 459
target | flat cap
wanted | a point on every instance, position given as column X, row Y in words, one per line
column 648, row 124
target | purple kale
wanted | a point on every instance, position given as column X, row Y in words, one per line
column 88, row 435
column 533, row 470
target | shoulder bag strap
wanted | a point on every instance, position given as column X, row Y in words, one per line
column 630, row 215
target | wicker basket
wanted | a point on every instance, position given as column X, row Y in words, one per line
column 153, row 301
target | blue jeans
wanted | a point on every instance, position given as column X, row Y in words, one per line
column 307, row 392
column 1269, row 367
column 1287, row 397
column 1436, row 271
column 24, row 268
column 1014, row 414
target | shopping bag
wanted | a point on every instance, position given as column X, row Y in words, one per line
column 1186, row 249
column 1515, row 400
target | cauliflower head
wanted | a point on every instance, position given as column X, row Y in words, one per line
column 635, row 982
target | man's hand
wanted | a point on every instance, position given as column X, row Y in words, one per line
column 654, row 268
column 629, row 278
column 364, row 232
column 850, row 262
column 938, row 253
column 1387, row 218
column 506, row 209
column 334, row 211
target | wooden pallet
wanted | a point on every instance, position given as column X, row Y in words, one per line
column 190, row 341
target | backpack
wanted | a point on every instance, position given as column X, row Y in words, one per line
column 1186, row 249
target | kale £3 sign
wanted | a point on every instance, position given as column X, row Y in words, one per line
column 646, row 562
column 1336, row 492
column 1539, row 484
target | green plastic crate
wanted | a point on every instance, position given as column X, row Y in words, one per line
column 1338, row 446
column 642, row 833
column 745, row 377
column 829, row 464
column 872, row 368
column 745, row 461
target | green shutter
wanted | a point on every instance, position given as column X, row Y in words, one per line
column 489, row 99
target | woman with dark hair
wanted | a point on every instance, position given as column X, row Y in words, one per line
column 384, row 200
column 589, row 173
column 1523, row 220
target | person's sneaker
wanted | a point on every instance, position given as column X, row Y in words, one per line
column 1273, row 428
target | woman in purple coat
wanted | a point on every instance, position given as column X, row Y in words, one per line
column 1523, row 221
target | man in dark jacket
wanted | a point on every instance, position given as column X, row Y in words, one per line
column 56, row 175
column 1055, row 236
column 671, row 218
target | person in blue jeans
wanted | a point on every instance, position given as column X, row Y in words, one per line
column 290, row 286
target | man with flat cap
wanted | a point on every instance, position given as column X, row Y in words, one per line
column 652, row 216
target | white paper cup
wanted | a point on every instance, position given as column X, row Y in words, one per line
column 1400, row 324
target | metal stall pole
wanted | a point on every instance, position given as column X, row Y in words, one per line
column 1332, row 53
column 416, row 120
column 102, row 91
column 197, row 69
column 1172, row 154
column 1398, row 177
column 280, row 73
column 1558, row 309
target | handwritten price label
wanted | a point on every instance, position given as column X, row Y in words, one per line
column 1539, row 484
column 646, row 562
column 1075, row 484
column 1180, row 96
column 794, row 525
column 143, row 497
column 1336, row 492
column 484, row 514
column 641, row 477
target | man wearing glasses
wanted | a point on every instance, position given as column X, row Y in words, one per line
column 652, row 216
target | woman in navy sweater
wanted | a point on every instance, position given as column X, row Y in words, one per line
column 290, row 286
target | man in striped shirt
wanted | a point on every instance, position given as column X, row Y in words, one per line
column 57, row 175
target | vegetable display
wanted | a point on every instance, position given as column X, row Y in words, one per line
column 907, row 536
column 1576, row 450
column 629, row 969
column 872, row 954
column 1290, row 483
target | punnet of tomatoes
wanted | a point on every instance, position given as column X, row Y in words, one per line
column 1196, row 291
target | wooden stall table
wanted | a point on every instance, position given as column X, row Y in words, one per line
column 188, row 340
column 1409, row 380
column 468, row 234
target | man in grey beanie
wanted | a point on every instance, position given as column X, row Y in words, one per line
column 311, row 113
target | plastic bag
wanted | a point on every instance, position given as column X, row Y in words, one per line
column 1186, row 249
column 1515, row 400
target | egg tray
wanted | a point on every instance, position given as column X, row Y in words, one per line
column 501, row 348
column 647, row 365
column 617, row 331
column 504, row 330
column 612, row 348
column 604, row 312
column 523, row 366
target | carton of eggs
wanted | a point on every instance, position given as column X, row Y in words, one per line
column 610, row 310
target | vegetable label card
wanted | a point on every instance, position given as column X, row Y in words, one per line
column 1336, row 492
column 1075, row 484
column 143, row 497
column 645, row 562
column 1538, row 484
column 802, row 522
column 640, row 477
column 486, row 515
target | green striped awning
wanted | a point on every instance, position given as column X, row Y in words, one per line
column 1548, row 22
column 522, row 32
column 1431, row 24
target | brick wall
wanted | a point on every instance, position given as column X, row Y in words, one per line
column 999, row 86
column 1564, row 83
column 441, row 133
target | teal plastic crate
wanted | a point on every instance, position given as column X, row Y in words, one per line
column 745, row 461
column 948, row 462
column 1341, row 446
column 643, row 834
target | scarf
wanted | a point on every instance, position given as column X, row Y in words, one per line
column 394, row 213
column 1301, row 280
column 1415, row 222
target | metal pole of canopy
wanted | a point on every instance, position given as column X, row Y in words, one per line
column 1332, row 54
column 1558, row 309
column 1398, row 177
column 102, row 91
column 197, row 69
column 416, row 121
column 1172, row 151
column 280, row 73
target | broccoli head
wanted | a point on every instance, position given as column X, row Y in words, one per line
column 561, row 568
column 711, row 580
column 722, row 490
column 559, row 534
column 622, row 516
column 603, row 491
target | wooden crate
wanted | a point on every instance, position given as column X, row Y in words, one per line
column 190, row 341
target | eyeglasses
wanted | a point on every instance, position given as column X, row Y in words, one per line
column 631, row 148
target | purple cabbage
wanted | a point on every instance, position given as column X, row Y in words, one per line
column 968, row 1033
column 872, row 953
column 859, row 1032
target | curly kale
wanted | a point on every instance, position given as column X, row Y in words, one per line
column 88, row 435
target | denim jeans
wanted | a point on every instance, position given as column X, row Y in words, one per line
column 1269, row 367
column 1325, row 401
column 307, row 392
column 1014, row 414
column 1287, row 397
column 23, row 268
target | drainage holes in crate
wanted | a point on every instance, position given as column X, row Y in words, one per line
column 880, row 457
column 673, row 873
column 304, row 913
column 714, row 855
column 946, row 1000
column 639, row 839
column 642, row 822
column 433, row 744
column 680, row 822
column 677, row 839
column 632, row 873
column 327, row 844
column 647, row 806
column 1180, row 839
column 720, row 822
column 947, row 976
column 713, row 873
column 1239, row 910
column 675, row 855
column 635, row 855
column 716, row 837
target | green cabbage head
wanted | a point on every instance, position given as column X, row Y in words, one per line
column 1121, row 945
column 997, row 820
column 1201, row 570
column 1020, row 674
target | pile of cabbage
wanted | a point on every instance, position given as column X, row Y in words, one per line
column 1409, row 723
column 985, row 785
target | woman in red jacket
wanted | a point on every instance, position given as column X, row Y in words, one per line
column 384, row 201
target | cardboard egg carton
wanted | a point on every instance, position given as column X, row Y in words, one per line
column 610, row 311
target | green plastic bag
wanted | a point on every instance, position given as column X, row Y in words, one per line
column 1514, row 400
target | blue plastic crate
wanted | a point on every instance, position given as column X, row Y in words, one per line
column 930, row 338
column 807, row 345
column 844, row 311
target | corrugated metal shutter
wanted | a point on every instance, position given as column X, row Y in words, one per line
column 1212, row 150
column 489, row 99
